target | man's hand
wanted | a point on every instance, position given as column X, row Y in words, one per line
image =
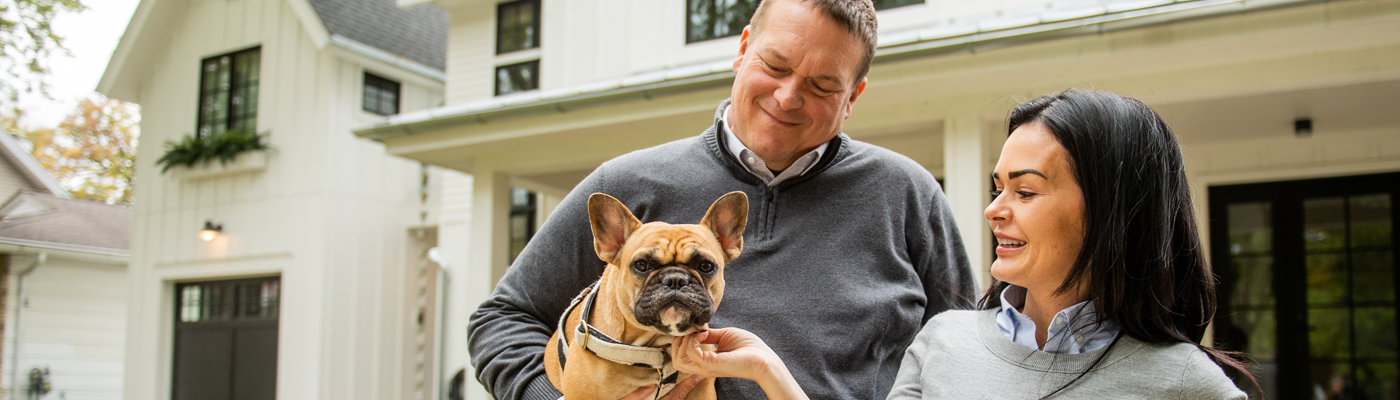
column 681, row 390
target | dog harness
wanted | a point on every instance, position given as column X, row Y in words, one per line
column 607, row 348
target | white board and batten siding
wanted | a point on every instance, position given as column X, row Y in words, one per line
column 330, row 214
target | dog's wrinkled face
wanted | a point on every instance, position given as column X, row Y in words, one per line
column 671, row 275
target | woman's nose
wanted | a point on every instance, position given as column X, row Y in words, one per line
column 996, row 211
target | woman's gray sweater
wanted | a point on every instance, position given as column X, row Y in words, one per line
column 962, row 355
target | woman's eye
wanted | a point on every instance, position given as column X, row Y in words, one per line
column 995, row 193
column 640, row 266
column 1025, row 194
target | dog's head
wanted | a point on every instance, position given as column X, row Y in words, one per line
column 671, row 275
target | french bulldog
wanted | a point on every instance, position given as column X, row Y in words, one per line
column 661, row 281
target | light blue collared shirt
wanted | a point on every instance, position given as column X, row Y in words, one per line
column 1074, row 329
column 755, row 164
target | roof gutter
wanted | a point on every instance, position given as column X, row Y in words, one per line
column 959, row 36
column 356, row 47
column 86, row 250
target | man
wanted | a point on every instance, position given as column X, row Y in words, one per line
column 849, row 247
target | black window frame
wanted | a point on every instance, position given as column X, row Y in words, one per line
column 248, row 118
column 881, row 5
column 383, row 86
column 534, row 77
column 501, row 27
column 690, row 6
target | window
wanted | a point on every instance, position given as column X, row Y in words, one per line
column 883, row 4
column 713, row 19
column 518, row 77
column 228, row 92
column 381, row 95
column 517, row 26
column 522, row 220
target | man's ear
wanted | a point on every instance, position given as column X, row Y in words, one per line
column 851, row 103
column 726, row 218
column 743, row 47
column 612, row 224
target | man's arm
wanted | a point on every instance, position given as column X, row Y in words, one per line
column 509, row 331
column 943, row 265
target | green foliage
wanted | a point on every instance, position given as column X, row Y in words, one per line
column 26, row 40
column 223, row 146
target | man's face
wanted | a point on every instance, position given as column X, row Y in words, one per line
column 795, row 82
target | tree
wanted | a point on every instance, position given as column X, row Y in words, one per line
column 92, row 153
column 26, row 40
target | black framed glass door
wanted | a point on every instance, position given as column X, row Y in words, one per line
column 226, row 339
column 1308, row 284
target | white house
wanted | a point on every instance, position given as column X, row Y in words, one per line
column 63, row 294
column 314, row 281
column 1284, row 108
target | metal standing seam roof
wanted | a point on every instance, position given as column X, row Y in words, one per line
column 417, row 33
column 952, row 35
column 67, row 223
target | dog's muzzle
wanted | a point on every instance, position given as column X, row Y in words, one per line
column 674, row 301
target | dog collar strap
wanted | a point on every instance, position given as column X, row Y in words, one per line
column 607, row 348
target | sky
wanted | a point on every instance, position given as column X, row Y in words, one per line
column 91, row 36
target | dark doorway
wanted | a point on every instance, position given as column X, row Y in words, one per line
column 1308, row 284
column 226, row 339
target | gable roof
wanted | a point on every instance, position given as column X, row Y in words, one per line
column 415, row 37
column 35, row 219
column 418, row 33
column 37, row 175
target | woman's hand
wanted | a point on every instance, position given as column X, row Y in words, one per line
column 738, row 354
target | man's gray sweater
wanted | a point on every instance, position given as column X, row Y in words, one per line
column 840, row 267
column 963, row 355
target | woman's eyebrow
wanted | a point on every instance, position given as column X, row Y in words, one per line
column 1017, row 174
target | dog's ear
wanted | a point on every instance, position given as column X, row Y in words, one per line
column 612, row 224
column 726, row 218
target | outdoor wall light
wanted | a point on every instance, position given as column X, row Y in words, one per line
column 1302, row 127
column 210, row 231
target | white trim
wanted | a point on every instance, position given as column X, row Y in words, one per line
column 376, row 54
column 311, row 21
column 31, row 168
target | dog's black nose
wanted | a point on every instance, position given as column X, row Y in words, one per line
column 675, row 280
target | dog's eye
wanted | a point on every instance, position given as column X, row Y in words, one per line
column 640, row 266
column 705, row 267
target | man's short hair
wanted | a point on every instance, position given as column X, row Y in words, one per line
column 858, row 16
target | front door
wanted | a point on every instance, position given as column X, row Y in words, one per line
column 1308, row 284
column 226, row 340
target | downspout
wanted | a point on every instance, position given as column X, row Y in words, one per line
column 19, row 311
column 440, row 376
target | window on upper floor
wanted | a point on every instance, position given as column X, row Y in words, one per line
column 517, row 77
column 517, row 26
column 883, row 4
column 381, row 96
column 228, row 92
column 713, row 19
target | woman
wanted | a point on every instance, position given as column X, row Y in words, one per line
column 1102, row 288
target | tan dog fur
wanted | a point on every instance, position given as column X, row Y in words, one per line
column 619, row 240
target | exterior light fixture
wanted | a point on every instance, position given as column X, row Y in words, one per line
column 210, row 231
column 1302, row 127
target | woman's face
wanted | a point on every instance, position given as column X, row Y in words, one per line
column 1037, row 210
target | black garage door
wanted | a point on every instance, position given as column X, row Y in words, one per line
column 226, row 340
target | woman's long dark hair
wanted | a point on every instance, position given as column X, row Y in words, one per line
column 1142, row 258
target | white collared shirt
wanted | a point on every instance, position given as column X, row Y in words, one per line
column 755, row 164
column 1074, row 329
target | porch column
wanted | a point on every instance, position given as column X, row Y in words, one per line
column 966, row 175
column 485, row 246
